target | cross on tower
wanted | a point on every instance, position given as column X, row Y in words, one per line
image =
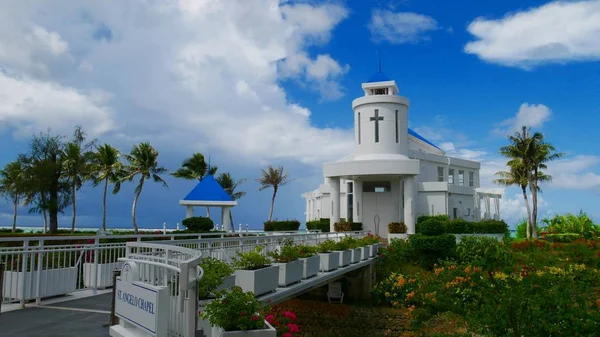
column 376, row 119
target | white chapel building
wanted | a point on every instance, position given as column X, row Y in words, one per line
column 394, row 174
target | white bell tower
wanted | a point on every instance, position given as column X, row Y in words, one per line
column 380, row 119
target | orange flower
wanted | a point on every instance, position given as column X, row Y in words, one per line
column 412, row 280
column 401, row 281
column 598, row 302
column 410, row 295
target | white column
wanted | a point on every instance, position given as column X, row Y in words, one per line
column 358, row 200
column 189, row 211
column 487, row 208
column 409, row 204
column 307, row 210
column 395, row 191
column 334, row 216
column 497, row 207
column 225, row 218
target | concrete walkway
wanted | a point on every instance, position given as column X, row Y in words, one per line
column 81, row 317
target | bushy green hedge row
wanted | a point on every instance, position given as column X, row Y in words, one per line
column 281, row 225
column 198, row 223
column 563, row 238
column 345, row 226
column 441, row 217
column 436, row 224
column 322, row 224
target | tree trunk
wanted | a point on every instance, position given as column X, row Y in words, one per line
column 208, row 212
column 73, row 192
column 15, row 209
column 272, row 203
column 104, row 205
column 534, row 194
column 45, row 215
column 133, row 208
column 231, row 220
column 528, row 212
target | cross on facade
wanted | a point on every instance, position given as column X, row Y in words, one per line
column 376, row 119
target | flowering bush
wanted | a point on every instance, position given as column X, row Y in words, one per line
column 252, row 260
column 285, row 324
column 236, row 310
column 305, row 251
column 371, row 239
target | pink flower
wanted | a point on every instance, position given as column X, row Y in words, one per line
column 287, row 334
column 270, row 318
column 293, row 328
column 290, row 315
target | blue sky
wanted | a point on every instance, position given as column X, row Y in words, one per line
column 273, row 83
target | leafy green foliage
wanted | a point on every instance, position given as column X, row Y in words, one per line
column 570, row 223
column 371, row 239
column 198, row 224
column 214, row 272
column 342, row 226
column 236, row 310
column 457, row 226
column 281, row 225
column 564, row 237
column 431, row 248
column 326, row 246
column 440, row 217
column 286, row 252
column 305, row 251
column 396, row 227
column 397, row 257
column 251, row 260
column 521, row 230
column 322, row 224
column 431, row 227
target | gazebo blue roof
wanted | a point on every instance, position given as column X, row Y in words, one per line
column 208, row 189
column 418, row 136
column 378, row 77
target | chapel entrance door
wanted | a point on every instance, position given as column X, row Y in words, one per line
column 377, row 206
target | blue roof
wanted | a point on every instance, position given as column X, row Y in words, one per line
column 378, row 77
column 208, row 189
column 418, row 136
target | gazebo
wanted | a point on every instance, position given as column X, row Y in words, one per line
column 208, row 192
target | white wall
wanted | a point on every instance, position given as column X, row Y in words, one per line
column 428, row 199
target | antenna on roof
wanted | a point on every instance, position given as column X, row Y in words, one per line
column 379, row 58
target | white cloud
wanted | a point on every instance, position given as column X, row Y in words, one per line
column 513, row 209
column 557, row 32
column 187, row 75
column 575, row 173
column 532, row 115
column 401, row 27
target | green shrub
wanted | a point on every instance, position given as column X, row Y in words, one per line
column 287, row 252
column 214, row 272
column 473, row 248
column 356, row 226
column 440, row 217
column 198, row 224
column 489, row 227
column 9, row 230
column 252, row 260
column 322, row 224
column 571, row 223
column 397, row 227
column 326, row 246
column 521, row 230
column 431, row 227
column 563, row 238
column 457, row 226
column 281, row 225
column 395, row 258
column 429, row 249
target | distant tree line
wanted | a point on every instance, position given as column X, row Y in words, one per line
column 48, row 176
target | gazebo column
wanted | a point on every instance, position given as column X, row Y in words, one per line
column 334, row 183
column 409, row 204
column 189, row 211
column 225, row 220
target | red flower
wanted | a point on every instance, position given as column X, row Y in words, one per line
column 254, row 317
column 287, row 334
column 242, row 314
column 290, row 315
column 270, row 318
column 293, row 328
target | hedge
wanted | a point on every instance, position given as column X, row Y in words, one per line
column 281, row 225
column 460, row 226
column 562, row 237
column 432, row 248
column 198, row 223
column 441, row 217
column 397, row 227
column 322, row 224
column 345, row 226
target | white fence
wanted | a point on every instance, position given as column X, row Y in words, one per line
column 40, row 267
column 172, row 267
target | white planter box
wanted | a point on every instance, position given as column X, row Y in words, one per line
column 310, row 266
column 290, row 272
column 364, row 253
column 345, row 257
column 260, row 281
column 268, row 331
column 329, row 261
column 401, row 236
column 355, row 255
column 371, row 250
column 228, row 283
column 53, row 282
column 375, row 248
column 105, row 274
column 498, row 237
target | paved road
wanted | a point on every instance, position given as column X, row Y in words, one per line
column 77, row 318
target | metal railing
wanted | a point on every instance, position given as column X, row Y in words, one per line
column 173, row 267
column 41, row 267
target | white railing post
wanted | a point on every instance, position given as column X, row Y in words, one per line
column 25, row 262
column 40, row 255
column 96, row 257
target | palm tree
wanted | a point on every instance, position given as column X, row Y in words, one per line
column 229, row 185
column 273, row 177
column 195, row 167
column 517, row 175
column 11, row 186
column 143, row 161
column 107, row 168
